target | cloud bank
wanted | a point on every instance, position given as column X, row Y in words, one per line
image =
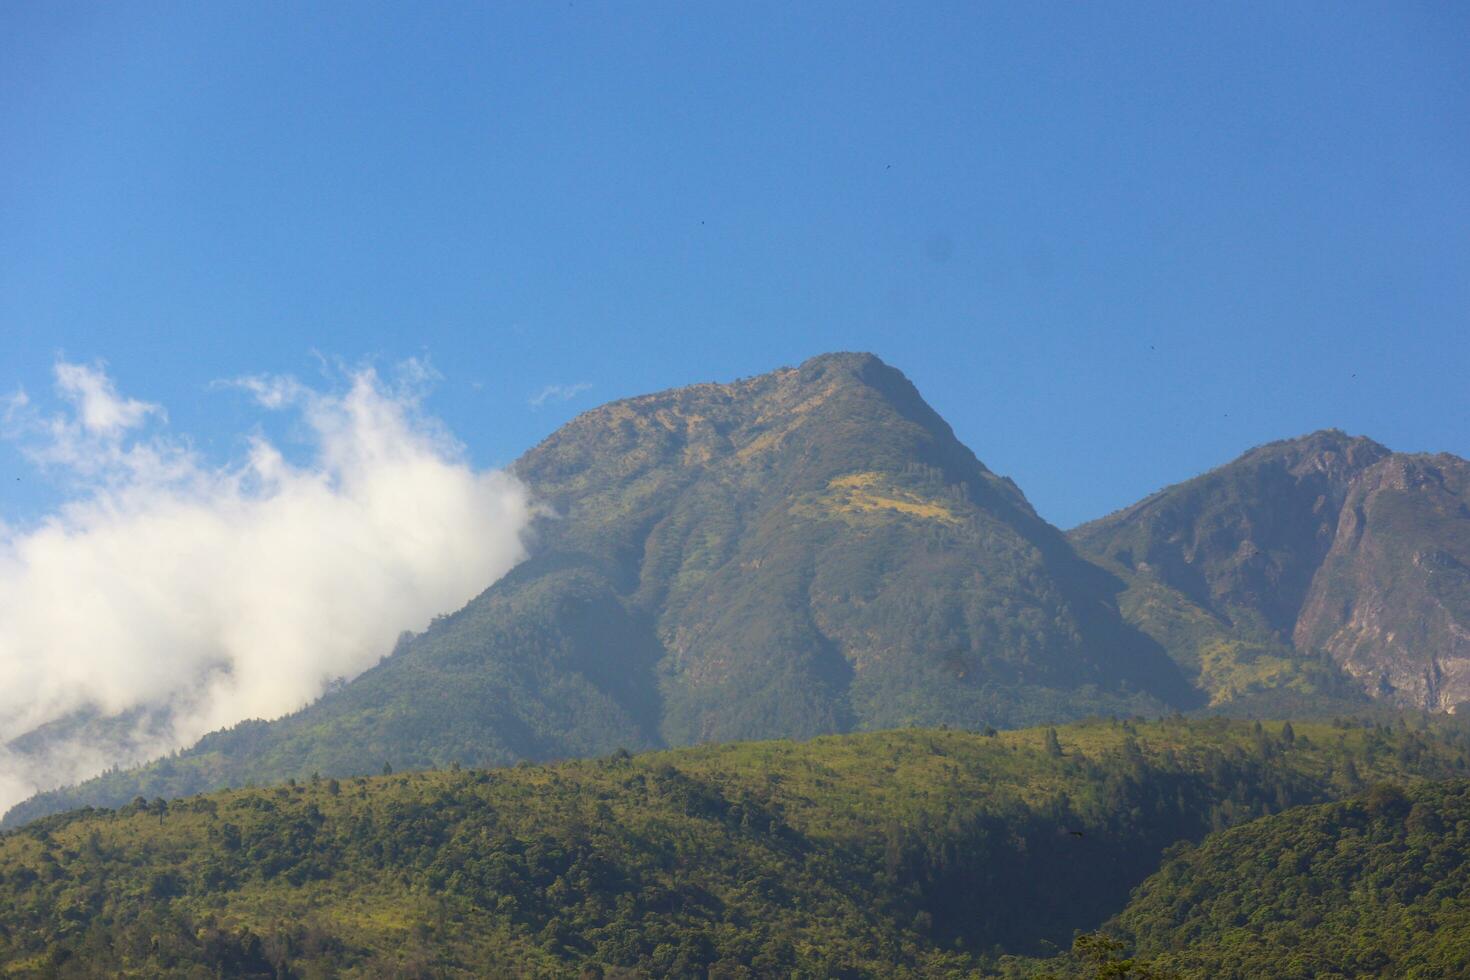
column 558, row 393
column 173, row 597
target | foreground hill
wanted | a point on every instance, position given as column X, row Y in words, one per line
column 1373, row 886
column 918, row 852
column 1307, row 575
column 803, row 552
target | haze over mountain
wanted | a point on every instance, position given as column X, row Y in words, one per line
column 174, row 594
column 813, row 551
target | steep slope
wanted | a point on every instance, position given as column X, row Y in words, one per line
column 1244, row 540
column 1374, row 886
column 819, row 552
column 1219, row 567
column 807, row 551
column 921, row 853
column 1391, row 602
column 1306, row 575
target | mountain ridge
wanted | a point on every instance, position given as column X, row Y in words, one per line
column 1310, row 474
column 1259, row 567
column 813, row 550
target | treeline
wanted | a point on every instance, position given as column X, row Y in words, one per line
column 923, row 852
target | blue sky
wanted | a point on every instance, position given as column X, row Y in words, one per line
column 1114, row 244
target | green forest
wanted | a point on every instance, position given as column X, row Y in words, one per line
column 1372, row 885
column 912, row 853
column 777, row 623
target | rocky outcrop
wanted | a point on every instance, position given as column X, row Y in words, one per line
column 1391, row 602
column 1329, row 550
column 1244, row 540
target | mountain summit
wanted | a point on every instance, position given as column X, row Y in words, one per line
column 807, row 551
column 813, row 551
column 1244, row 540
column 1324, row 565
column 816, row 551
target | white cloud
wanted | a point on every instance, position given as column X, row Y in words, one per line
column 171, row 588
column 558, row 393
column 15, row 403
column 99, row 409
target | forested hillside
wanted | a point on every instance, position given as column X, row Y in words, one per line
column 1378, row 885
column 911, row 852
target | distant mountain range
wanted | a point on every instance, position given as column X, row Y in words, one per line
column 813, row 551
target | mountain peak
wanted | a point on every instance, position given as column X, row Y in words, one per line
column 1324, row 449
column 856, row 367
column 854, row 361
column 809, row 550
column 1324, row 544
column 791, row 428
column 1244, row 539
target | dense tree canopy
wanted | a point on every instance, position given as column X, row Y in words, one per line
column 1375, row 885
column 926, row 852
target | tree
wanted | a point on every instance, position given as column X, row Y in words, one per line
column 1386, row 800
column 1101, row 957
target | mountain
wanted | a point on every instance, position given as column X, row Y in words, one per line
column 906, row 853
column 1311, row 574
column 1378, row 885
column 803, row 552
column 818, row 551
column 813, row 551
column 1243, row 541
column 1391, row 602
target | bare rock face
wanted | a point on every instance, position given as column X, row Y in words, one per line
column 1391, row 602
column 1325, row 564
column 1244, row 540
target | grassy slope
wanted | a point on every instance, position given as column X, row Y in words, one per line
column 1241, row 672
column 927, row 851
